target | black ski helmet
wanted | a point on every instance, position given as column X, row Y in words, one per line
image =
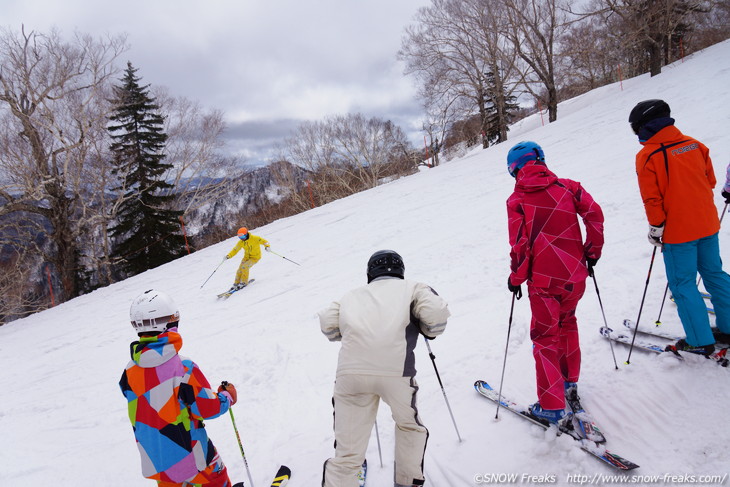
column 646, row 111
column 385, row 263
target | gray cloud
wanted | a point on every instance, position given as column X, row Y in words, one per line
column 264, row 64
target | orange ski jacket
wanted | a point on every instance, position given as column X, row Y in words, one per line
column 676, row 179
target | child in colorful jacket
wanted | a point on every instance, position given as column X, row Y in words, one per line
column 252, row 254
column 168, row 399
column 548, row 252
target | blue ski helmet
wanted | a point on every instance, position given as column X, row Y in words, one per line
column 521, row 154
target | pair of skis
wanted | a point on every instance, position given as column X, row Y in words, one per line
column 233, row 290
column 651, row 340
column 580, row 427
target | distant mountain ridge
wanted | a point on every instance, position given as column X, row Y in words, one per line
column 248, row 195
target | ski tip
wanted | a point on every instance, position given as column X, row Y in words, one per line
column 282, row 477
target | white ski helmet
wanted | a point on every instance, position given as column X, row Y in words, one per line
column 152, row 311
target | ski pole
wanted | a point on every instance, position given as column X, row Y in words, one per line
column 658, row 321
column 504, row 363
column 377, row 437
column 271, row 251
column 211, row 274
column 636, row 328
column 238, row 437
column 438, row 376
column 605, row 322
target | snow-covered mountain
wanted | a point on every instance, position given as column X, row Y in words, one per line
column 63, row 419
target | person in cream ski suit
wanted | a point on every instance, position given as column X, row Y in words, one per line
column 379, row 325
column 251, row 255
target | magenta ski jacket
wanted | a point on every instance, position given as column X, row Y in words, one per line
column 547, row 247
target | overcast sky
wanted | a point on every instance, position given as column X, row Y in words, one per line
column 267, row 64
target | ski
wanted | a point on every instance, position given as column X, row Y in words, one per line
column 597, row 451
column 653, row 331
column 720, row 356
column 362, row 474
column 705, row 295
column 720, row 337
column 282, row 477
column 582, row 421
column 232, row 290
column 640, row 343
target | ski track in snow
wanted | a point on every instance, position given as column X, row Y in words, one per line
column 63, row 417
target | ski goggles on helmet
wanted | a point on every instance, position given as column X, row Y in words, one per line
column 156, row 322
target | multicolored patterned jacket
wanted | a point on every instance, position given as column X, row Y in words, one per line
column 547, row 247
column 168, row 399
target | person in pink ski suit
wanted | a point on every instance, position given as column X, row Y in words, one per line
column 548, row 252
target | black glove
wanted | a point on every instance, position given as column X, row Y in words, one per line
column 591, row 264
column 726, row 195
column 516, row 290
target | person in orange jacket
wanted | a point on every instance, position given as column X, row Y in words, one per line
column 676, row 179
column 252, row 253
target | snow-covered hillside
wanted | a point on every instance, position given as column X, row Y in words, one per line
column 63, row 419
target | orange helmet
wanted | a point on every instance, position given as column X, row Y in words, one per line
column 243, row 233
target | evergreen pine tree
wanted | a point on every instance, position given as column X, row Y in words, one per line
column 494, row 126
column 147, row 231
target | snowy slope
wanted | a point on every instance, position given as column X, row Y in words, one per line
column 63, row 419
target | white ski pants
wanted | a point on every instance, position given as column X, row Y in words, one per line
column 356, row 400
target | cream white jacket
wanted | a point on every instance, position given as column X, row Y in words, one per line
column 379, row 325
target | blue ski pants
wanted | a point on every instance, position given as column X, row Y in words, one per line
column 683, row 261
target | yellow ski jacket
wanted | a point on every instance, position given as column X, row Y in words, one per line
column 252, row 247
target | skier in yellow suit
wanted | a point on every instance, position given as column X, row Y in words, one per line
column 252, row 254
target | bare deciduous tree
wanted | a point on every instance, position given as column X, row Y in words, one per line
column 49, row 109
column 462, row 62
column 200, row 173
column 348, row 153
column 654, row 28
column 535, row 28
